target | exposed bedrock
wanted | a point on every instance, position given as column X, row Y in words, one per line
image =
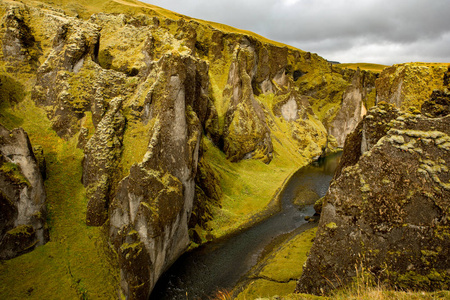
column 409, row 85
column 22, row 196
column 246, row 133
column 101, row 160
column 355, row 101
column 149, row 215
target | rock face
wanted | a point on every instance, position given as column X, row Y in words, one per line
column 355, row 101
column 246, row 133
column 410, row 84
column 151, row 210
column 386, row 213
column 102, row 156
column 22, row 196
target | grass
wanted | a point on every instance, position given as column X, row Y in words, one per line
column 248, row 187
column 281, row 269
column 377, row 68
column 76, row 262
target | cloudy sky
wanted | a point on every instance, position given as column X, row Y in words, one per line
column 377, row 31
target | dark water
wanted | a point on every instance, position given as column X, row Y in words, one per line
column 220, row 265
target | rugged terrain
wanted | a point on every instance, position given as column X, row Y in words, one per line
column 385, row 216
column 158, row 130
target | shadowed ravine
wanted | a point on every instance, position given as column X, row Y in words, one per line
column 220, row 265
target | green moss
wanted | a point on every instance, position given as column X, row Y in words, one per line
column 21, row 230
column 261, row 288
column 280, row 267
column 14, row 172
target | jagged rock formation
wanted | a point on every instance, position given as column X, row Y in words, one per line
column 386, row 213
column 151, row 211
column 22, row 196
column 359, row 96
column 102, row 156
column 407, row 85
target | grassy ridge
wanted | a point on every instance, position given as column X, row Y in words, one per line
column 377, row 68
column 85, row 8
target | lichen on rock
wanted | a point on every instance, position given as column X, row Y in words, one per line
column 101, row 159
column 22, row 196
column 154, row 202
column 389, row 207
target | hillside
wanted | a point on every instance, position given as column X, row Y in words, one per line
column 159, row 131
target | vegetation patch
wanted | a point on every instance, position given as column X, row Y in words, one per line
column 377, row 68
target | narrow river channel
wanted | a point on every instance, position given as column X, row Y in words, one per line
column 220, row 265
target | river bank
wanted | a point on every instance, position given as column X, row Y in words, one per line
column 220, row 264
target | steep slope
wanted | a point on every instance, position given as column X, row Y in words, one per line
column 209, row 118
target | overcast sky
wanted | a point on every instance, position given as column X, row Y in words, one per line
column 376, row 31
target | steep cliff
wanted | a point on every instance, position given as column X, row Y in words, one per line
column 22, row 196
column 385, row 214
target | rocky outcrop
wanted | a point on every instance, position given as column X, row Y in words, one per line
column 101, row 160
column 355, row 102
column 149, row 215
column 22, row 196
column 409, row 85
column 385, row 215
column 19, row 46
column 438, row 105
column 246, row 133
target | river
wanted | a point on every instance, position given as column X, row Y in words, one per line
column 219, row 265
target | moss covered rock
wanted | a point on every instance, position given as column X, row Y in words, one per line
column 385, row 215
column 22, row 196
column 101, row 160
column 409, row 84
column 154, row 202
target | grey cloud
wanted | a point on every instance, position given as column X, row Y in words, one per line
column 400, row 30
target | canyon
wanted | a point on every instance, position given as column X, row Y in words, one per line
column 151, row 133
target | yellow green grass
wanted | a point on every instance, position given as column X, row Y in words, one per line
column 248, row 187
column 377, row 68
column 76, row 262
column 251, row 186
column 282, row 269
